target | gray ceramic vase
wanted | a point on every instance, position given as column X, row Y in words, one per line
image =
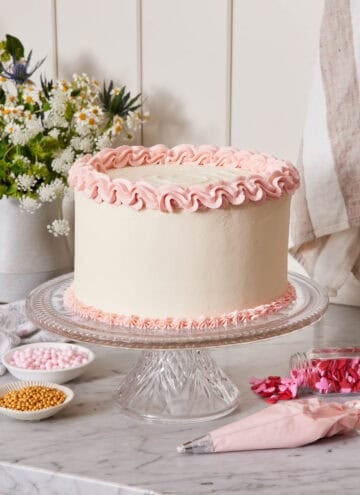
column 29, row 254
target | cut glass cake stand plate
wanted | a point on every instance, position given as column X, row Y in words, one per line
column 175, row 379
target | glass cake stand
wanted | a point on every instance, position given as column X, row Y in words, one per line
column 175, row 379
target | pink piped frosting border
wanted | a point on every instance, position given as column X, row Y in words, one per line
column 270, row 178
column 230, row 319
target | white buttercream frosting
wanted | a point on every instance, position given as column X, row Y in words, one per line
column 187, row 264
column 182, row 175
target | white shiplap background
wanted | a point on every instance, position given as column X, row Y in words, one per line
column 212, row 71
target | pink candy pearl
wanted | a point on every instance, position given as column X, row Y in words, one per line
column 48, row 358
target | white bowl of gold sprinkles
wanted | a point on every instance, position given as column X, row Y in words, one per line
column 33, row 400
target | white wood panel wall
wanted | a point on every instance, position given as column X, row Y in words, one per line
column 99, row 38
column 186, row 70
column 212, row 71
column 34, row 22
column 273, row 50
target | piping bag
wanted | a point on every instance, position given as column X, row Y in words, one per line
column 281, row 426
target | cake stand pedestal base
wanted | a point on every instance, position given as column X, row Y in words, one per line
column 177, row 386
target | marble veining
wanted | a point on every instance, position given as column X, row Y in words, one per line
column 33, row 481
column 92, row 442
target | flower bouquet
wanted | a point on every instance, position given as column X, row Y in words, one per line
column 44, row 128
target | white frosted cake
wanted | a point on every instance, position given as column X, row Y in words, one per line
column 188, row 237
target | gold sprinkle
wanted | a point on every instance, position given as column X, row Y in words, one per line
column 32, row 398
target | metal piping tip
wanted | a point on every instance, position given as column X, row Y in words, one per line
column 201, row 445
column 185, row 448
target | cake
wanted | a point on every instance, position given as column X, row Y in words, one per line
column 183, row 237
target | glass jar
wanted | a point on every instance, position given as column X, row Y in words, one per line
column 327, row 371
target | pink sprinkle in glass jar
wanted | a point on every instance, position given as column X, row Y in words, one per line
column 332, row 370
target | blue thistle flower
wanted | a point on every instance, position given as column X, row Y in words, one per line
column 19, row 71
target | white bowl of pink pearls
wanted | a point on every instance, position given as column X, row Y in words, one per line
column 48, row 361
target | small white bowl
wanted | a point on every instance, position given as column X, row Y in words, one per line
column 41, row 413
column 54, row 375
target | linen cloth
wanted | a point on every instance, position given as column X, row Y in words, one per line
column 325, row 223
column 16, row 329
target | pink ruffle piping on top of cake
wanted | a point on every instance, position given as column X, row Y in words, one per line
column 270, row 177
column 225, row 320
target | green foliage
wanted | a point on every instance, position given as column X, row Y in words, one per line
column 46, row 86
column 3, row 190
column 40, row 171
column 3, row 170
column 69, row 112
column 4, row 54
column 3, row 149
column 14, row 47
column 43, row 148
column 13, row 191
column 119, row 103
column 75, row 92
column 18, row 168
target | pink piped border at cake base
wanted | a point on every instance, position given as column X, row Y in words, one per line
column 270, row 178
column 225, row 320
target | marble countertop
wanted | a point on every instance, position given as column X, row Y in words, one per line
column 91, row 448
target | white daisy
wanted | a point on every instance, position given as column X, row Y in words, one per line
column 132, row 121
column 33, row 127
column 115, row 91
column 59, row 100
column 17, row 135
column 31, row 94
column 53, row 119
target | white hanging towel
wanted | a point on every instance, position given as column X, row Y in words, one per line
column 325, row 224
